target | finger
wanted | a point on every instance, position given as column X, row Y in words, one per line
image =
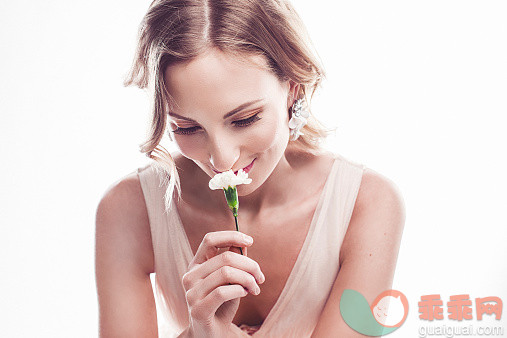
column 224, row 276
column 220, row 250
column 228, row 258
column 229, row 275
column 212, row 241
column 220, row 295
column 236, row 249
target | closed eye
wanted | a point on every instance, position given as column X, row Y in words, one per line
column 240, row 123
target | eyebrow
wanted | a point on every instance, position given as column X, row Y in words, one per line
column 232, row 112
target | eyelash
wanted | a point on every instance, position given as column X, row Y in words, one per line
column 240, row 123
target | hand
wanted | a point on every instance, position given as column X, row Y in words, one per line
column 215, row 282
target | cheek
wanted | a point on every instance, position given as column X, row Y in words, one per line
column 190, row 147
column 268, row 135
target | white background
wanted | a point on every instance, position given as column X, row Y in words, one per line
column 416, row 89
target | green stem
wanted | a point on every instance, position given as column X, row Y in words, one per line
column 237, row 229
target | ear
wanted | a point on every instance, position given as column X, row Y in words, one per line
column 292, row 93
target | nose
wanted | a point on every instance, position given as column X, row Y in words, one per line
column 223, row 152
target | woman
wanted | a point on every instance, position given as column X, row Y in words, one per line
column 230, row 82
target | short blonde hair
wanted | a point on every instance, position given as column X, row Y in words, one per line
column 179, row 30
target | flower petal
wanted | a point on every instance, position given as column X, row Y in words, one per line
column 229, row 179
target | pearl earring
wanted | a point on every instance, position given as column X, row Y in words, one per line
column 298, row 119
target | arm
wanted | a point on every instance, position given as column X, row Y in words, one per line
column 369, row 251
column 123, row 263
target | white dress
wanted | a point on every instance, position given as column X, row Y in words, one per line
column 298, row 308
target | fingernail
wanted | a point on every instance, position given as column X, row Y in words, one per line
column 257, row 290
column 248, row 239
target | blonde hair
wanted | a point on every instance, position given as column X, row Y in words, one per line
column 179, row 30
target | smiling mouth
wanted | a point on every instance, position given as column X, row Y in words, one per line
column 247, row 168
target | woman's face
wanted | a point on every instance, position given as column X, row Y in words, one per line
column 226, row 114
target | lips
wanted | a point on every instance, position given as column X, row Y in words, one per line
column 247, row 168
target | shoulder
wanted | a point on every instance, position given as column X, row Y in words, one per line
column 376, row 190
column 124, row 195
column 122, row 220
column 379, row 213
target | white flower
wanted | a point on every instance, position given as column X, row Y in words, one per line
column 229, row 179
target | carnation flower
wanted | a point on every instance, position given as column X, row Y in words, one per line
column 228, row 182
column 229, row 179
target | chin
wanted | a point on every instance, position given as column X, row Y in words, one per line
column 246, row 189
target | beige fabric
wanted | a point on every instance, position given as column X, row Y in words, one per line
column 297, row 310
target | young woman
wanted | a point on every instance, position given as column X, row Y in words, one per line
column 231, row 82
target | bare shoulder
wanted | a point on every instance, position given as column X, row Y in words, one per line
column 379, row 211
column 122, row 217
column 375, row 190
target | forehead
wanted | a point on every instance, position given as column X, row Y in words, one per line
column 216, row 80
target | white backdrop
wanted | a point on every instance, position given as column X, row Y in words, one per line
column 416, row 89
